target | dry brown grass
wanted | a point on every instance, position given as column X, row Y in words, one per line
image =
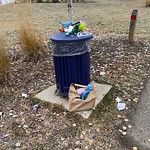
column 4, row 63
column 31, row 44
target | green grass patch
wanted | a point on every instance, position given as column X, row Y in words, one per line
column 53, row 107
column 33, row 100
column 107, row 107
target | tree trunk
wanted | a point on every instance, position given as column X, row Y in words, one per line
column 147, row 3
column 55, row 1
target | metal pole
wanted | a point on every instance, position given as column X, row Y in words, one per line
column 70, row 9
column 132, row 25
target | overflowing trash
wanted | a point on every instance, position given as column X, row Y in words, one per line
column 66, row 24
column 71, row 28
column 83, row 92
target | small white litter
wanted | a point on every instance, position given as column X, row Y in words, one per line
column 102, row 73
column 24, row 95
column 118, row 100
column 120, row 106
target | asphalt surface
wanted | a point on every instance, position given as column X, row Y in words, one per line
column 139, row 135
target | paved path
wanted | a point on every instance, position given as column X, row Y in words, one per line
column 139, row 134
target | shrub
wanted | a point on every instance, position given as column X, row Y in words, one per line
column 4, row 63
column 31, row 45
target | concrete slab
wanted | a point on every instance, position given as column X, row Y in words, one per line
column 49, row 96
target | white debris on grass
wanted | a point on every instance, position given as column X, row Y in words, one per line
column 17, row 144
column 120, row 106
column 24, row 95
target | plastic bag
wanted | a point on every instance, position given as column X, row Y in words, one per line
column 71, row 48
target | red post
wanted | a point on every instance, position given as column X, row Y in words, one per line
column 133, row 21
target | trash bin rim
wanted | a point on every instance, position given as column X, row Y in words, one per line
column 61, row 37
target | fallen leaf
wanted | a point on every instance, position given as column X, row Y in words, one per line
column 26, row 107
column 129, row 126
column 74, row 125
column 23, row 120
column 126, row 120
column 135, row 99
column 91, row 141
column 17, row 144
column 90, row 124
column 119, row 116
column 134, row 148
column 124, row 133
column 124, row 128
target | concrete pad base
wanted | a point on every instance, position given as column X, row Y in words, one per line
column 49, row 96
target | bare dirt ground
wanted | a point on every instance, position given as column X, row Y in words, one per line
column 126, row 66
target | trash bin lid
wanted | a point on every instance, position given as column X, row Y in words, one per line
column 62, row 37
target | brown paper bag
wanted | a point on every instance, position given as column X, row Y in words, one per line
column 77, row 104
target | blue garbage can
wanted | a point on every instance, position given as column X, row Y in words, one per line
column 71, row 55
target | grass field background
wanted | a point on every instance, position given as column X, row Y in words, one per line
column 102, row 16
